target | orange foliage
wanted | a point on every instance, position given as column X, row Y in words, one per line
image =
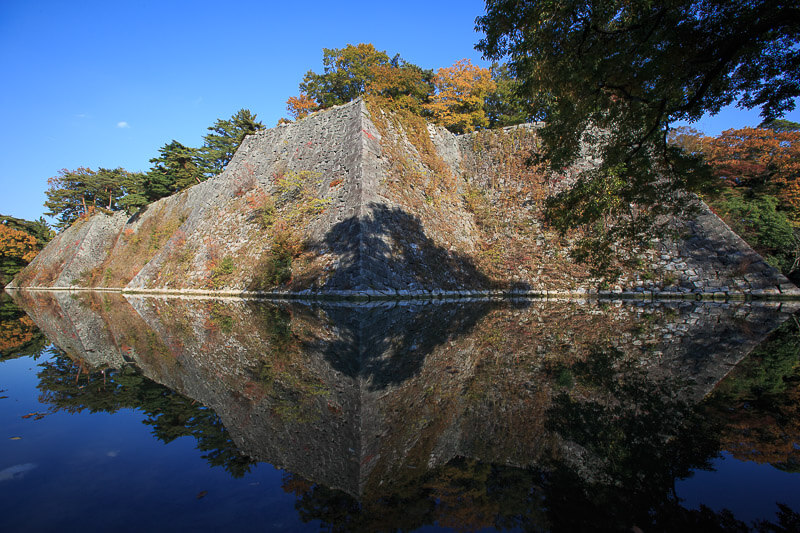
column 256, row 199
column 17, row 244
column 757, row 156
column 753, row 435
column 460, row 94
column 14, row 334
column 301, row 106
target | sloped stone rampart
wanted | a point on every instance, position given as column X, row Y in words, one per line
column 365, row 201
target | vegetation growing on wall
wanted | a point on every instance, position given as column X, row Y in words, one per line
column 135, row 246
column 434, row 178
column 284, row 219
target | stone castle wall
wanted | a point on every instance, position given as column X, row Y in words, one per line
column 371, row 202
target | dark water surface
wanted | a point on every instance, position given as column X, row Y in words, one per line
column 124, row 413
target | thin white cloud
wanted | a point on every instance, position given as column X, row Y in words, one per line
column 123, row 124
column 81, row 115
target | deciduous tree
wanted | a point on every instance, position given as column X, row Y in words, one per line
column 459, row 101
column 16, row 244
column 780, row 125
column 38, row 228
column 17, row 249
column 347, row 73
column 758, row 173
column 406, row 84
column 616, row 74
column 505, row 106
column 301, row 106
column 758, row 158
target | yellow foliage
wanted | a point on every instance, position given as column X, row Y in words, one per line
column 17, row 244
column 460, row 94
column 14, row 334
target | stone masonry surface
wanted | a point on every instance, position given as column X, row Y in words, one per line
column 367, row 205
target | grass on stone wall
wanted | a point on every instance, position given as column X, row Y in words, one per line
column 433, row 177
column 221, row 273
column 136, row 247
column 284, row 217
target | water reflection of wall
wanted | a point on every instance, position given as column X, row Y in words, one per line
column 365, row 398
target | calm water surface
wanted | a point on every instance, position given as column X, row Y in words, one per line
column 139, row 413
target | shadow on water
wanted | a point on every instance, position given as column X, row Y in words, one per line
column 462, row 416
column 386, row 347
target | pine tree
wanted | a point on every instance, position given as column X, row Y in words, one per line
column 219, row 146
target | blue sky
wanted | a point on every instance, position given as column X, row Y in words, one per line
column 90, row 83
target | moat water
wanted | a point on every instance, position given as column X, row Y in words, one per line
column 123, row 413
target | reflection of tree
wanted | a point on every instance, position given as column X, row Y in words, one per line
column 628, row 438
column 759, row 402
column 642, row 438
column 71, row 386
column 410, row 388
column 465, row 495
column 19, row 336
column 637, row 438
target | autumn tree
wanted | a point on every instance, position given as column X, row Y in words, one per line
column 15, row 244
column 688, row 139
column 459, row 101
column 38, row 228
column 759, row 158
column 353, row 71
column 347, row 73
column 20, row 241
column 17, row 249
column 759, row 170
column 405, row 84
column 616, row 74
column 757, row 173
column 301, row 106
